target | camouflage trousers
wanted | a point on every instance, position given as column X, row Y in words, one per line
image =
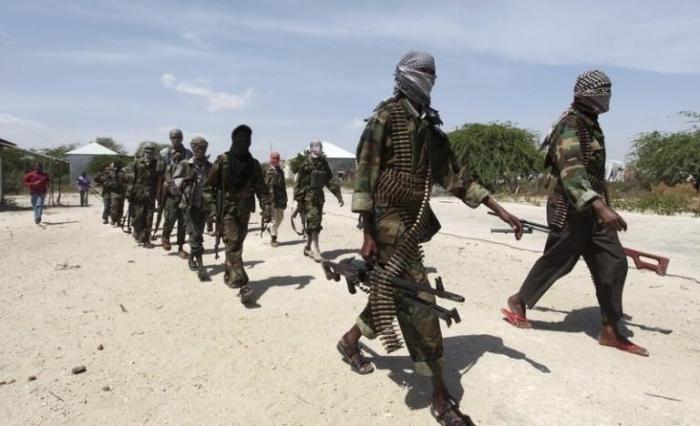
column 420, row 328
column 599, row 246
column 235, row 231
column 116, row 209
column 142, row 220
column 196, row 219
column 313, row 205
column 173, row 213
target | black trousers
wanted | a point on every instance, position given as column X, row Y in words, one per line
column 603, row 253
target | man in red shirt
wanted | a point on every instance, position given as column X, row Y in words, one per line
column 37, row 181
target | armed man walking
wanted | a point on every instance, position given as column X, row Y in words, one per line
column 195, row 208
column 115, row 183
column 314, row 175
column 578, row 212
column 401, row 154
column 234, row 182
column 274, row 178
column 141, row 193
column 171, row 194
column 106, row 200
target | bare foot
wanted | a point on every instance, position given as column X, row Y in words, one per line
column 516, row 312
column 610, row 336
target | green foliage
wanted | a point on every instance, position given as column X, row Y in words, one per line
column 501, row 154
column 98, row 164
column 660, row 199
column 59, row 151
column 112, row 144
column 295, row 163
column 14, row 165
column 668, row 158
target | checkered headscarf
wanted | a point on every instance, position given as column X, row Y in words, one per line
column 592, row 91
column 415, row 76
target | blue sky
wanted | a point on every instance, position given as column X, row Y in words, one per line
column 296, row 71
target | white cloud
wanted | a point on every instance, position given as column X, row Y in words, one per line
column 216, row 101
column 195, row 40
column 12, row 120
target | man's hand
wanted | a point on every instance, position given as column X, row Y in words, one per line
column 608, row 216
column 340, row 202
column 369, row 250
column 505, row 216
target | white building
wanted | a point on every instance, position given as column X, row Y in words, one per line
column 340, row 160
column 79, row 158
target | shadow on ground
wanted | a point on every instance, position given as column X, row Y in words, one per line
column 260, row 287
column 220, row 266
column 461, row 353
column 587, row 320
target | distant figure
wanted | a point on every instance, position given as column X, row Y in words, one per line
column 83, row 184
column 37, row 181
column 274, row 178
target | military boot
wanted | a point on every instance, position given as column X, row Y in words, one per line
column 315, row 252
column 274, row 242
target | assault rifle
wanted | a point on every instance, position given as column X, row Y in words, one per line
column 359, row 276
column 95, row 191
column 660, row 267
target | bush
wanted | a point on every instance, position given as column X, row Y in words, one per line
column 662, row 199
column 500, row 154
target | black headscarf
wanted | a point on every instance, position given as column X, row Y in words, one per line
column 240, row 161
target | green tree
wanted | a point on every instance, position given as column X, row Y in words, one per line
column 668, row 158
column 111, row 144
column 295, row 163
column 501, row 154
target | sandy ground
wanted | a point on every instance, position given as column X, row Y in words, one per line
column 178, row 351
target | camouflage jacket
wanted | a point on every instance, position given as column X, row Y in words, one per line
column 115, row 181
column 143, row 181
column 375, row 155
column 243, row 198
column 578, row 182
column 191, row 183
column 314, row 175
column 274, row 179
column 172, row 169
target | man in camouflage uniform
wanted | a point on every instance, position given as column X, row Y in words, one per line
column 401, row 153
column 578, row 212
column 141, row 194
column 171, row 157
column 116, row 181
column 237, row 177
column 274, row 178
column 191, row 181
column 106, row 200
column 314, row 175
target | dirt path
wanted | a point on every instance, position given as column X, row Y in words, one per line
column 177, row 351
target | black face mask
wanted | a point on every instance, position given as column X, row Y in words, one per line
column 240, row 160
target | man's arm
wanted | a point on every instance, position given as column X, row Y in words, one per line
column 333, row 185
column 369, row 156
column 262, row 191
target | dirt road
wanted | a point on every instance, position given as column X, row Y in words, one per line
column 178, row 351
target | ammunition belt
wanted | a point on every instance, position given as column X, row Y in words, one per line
column 598, row 183
column 381, row 295
column 400, row 138
column 398, row 189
